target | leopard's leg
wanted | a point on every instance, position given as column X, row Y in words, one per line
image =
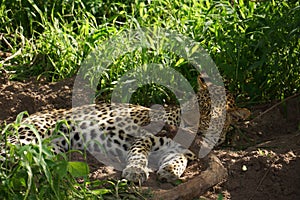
column 173, row 164
column 173, row 159
column 136, row 169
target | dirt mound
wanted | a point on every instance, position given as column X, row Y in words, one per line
column 33, row 96
column 265, row 167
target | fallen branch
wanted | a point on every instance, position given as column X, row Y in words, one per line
column 195, row 187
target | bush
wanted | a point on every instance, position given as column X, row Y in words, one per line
column 254, row 44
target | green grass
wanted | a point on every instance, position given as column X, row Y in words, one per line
column 254, row 44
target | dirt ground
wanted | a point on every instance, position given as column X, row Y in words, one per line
column 262, row 157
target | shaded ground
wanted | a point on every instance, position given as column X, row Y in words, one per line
column 267, row 166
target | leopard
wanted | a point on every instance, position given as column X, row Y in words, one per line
column 116, row 130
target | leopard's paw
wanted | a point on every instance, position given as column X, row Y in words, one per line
column 135, row 173
column 172, row 167
column 168, row 174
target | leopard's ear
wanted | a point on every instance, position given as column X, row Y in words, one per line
column 203, row 80
column 240, row 114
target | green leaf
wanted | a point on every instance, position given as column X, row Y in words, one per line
column 179, row 62
column 78, row 169
column 101, row 191
column 220, row 196
column 62, row 168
